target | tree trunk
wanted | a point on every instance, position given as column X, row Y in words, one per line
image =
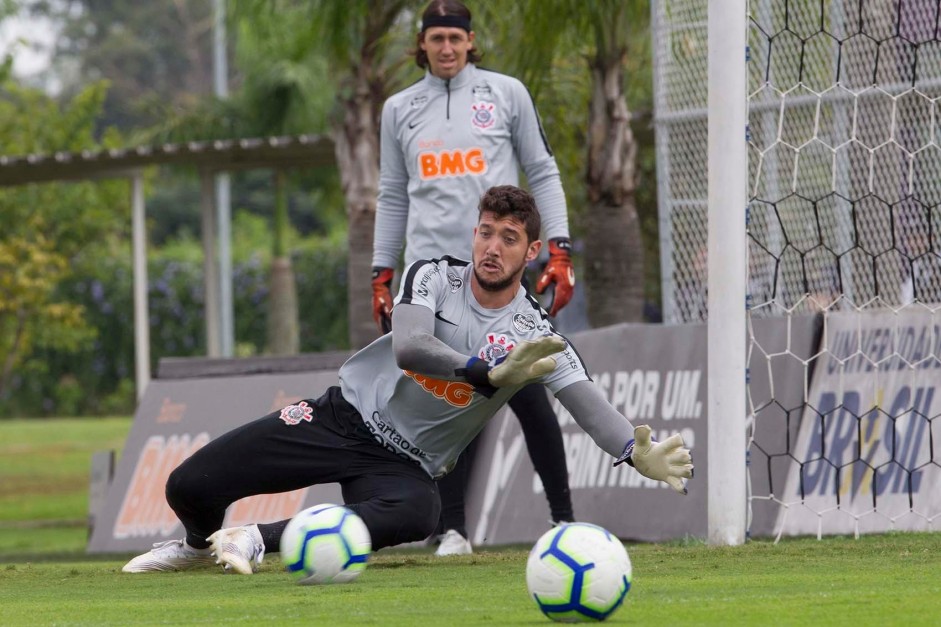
column 614, row 272
column 357, row 153
column 283, row 332
column 282, row 309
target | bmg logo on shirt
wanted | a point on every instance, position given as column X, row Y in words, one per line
column 445, row 163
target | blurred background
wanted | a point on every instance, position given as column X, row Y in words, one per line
column 84, row 76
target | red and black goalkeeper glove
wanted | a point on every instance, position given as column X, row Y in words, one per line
column 560, row 271
column 382, row 298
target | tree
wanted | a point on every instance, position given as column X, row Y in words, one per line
column 44, row 229
column 602, row 34
column 284, row 91
column 153, row 53
column 615, row 260
column 363, row 42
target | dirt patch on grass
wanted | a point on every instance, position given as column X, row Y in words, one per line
column 31, row 486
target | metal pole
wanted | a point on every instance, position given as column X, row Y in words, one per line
column 666, row 206
column 728, row 171
column 210, row 273
column 139, row 263
column 220, row 85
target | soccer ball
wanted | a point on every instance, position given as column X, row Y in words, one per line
column 578, row 572
column 325, row 544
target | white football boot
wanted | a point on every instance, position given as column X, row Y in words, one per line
column 453, row 543
column 238, row 549
column 169, row 556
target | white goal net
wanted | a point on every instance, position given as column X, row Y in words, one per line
column 844, row 223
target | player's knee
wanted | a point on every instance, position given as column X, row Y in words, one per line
column 423, row 513
column 184, row 489
column 410, row 516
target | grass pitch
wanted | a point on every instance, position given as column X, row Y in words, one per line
column 45, row 577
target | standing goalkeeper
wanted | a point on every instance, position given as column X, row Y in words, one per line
column 444, row 141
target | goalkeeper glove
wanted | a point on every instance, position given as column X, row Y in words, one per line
column 382, row 298
column 560, row 271
column 529, row 360
column 668, row 461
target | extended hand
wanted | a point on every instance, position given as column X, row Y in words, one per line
column 530, row 359
column 665, row 461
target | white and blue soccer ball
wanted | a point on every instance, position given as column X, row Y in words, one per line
column 578, row 572
column 325, row 544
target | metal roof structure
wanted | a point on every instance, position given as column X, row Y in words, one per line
column 214, row 156
column 210, row 158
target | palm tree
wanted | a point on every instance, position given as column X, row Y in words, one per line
column 615, row 261
column 559, row 35
column 283, row 93
column 284, row 90
column 363, row 43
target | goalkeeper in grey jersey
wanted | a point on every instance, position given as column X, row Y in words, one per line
column 466, row 336
column 444, row 141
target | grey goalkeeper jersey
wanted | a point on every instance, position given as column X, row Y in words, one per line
column 442, row 145
column 430, row 420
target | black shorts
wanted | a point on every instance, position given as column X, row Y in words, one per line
column 312, row 442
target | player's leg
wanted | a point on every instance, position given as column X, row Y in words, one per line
column 544, row 442
column 397, row 501
column 269, row 455
column 452, row 487
column 266, row 456
column 396, row 506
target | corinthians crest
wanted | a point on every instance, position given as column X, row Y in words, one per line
column 482, row 114
column 498, row 346
column 294, row 414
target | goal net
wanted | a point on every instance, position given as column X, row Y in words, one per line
column 844, row 210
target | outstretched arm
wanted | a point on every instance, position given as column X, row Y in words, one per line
column 417, row 349
column 667, row 461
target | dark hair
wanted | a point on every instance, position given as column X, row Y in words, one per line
column 509, row 201
column 442, row 8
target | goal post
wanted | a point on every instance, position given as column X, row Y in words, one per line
column 727, row 200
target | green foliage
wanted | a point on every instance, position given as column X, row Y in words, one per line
column 44, row 228
column 285, row 86
column 156, row 54
column 97, row 376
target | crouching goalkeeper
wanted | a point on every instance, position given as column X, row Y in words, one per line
column 465, row 337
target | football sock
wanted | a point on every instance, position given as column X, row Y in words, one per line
column 271, row 535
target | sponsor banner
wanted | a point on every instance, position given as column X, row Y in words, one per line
column 177, row 417
column 654, row 375
column 651, row 374
column 867, row 433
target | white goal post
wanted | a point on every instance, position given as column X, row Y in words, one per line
column 727, row 172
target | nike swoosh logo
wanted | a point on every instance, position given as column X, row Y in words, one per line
column 443, row 319
column 412, row 125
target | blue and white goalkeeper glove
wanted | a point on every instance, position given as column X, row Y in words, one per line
column 668, row 461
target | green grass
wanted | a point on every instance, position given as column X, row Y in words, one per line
column 878, row 580
column 45, row 465
column 45, row 578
